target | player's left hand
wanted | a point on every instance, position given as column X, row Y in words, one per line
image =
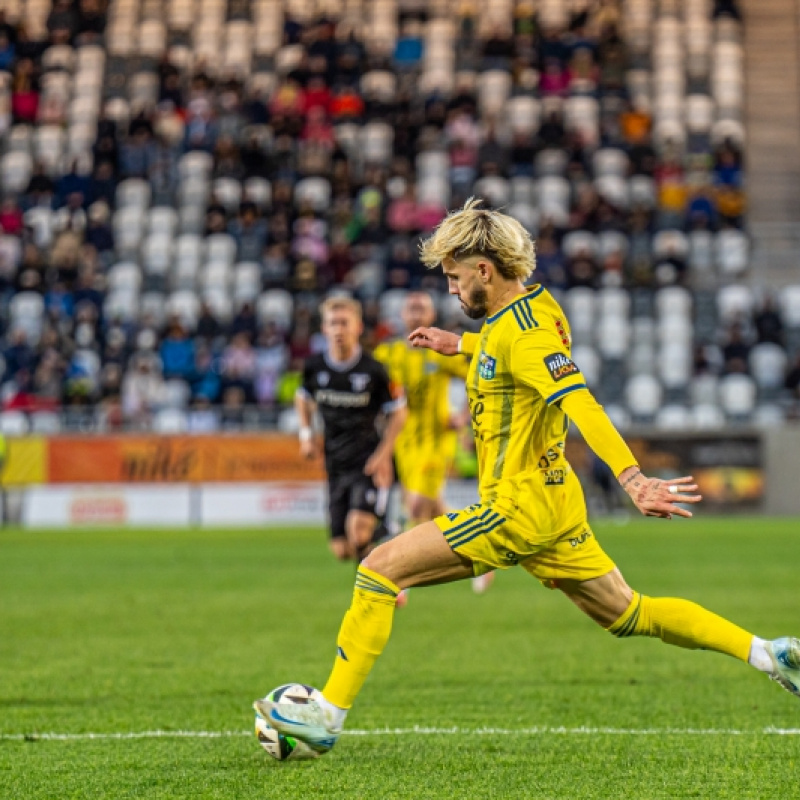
column 658, row 498
column 379, row 468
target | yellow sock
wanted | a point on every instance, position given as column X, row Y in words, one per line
column 362, row 637
column 682, row 623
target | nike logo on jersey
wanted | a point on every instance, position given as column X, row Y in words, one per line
column 560, row 366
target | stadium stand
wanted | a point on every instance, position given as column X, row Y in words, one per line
column 184, row 180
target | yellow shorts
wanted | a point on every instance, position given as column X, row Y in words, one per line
column 503, row 533
column 423, row 470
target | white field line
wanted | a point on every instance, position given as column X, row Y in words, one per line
column 416, row 731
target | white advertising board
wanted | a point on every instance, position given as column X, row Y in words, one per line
column 210, row 504
column 57, row 506
column 290, row 503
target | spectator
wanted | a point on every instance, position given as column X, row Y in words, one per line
column 272, row 359
column 142, row 388
column 208, row 327
column 245, row 322
column 239, row 362
column 91, row 22
column 250, row 233
column 203, row 417
column 768, row 322
column 99, row 233
column 177, row 352
column 207, row 381
column 555, row 80
column 736, row 351
column 7, row 51
column 346, row 105
column 25, row 92
column 232, row 416
column 10, row 217
column 19, row 355
column 408, row 49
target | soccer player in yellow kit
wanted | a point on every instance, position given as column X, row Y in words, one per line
column 425, row 447
column 523, row 389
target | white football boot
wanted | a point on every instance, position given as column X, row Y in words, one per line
column 305, row 722
column 785, row 655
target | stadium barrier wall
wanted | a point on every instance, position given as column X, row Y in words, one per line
column 260, row 479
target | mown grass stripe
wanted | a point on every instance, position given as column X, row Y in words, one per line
column 543, row 730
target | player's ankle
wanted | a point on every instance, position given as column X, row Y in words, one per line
column 334, row 716
column 760, row 657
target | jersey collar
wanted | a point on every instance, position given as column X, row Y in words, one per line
column 530, row 293
column 342, row 366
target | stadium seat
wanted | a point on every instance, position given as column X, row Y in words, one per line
column 768, row 364
column 643, row 394
column 738, row 397
column 708, row 416
column 276, row 305
column 673, row 418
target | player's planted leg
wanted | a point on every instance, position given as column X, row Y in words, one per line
column 684, row 624
column 419, row 556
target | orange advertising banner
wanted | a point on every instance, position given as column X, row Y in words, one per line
column 177, row 459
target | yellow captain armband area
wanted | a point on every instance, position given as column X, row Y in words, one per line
column 598, row 430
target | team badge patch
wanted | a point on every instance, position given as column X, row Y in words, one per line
column 487, row 366
column 560, row 366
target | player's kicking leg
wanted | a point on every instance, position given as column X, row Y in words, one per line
column 623, row 612
column 418, row 557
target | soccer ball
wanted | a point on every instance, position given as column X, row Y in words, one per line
column 280, row 747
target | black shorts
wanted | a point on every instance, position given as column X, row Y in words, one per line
column 352, row 491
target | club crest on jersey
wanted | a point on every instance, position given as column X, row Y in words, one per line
column 359, row 381
column 323, row 378
column 487, row 366
column 560, row 366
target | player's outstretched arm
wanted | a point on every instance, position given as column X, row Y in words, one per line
column 652, row 496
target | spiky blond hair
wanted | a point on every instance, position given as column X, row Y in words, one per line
column 474, row 231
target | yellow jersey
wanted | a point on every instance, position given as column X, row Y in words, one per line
column 425, row 377
column 520, row 369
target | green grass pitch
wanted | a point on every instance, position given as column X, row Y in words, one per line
column 128, row 632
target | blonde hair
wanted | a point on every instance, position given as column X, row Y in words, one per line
column 340, row 303
column 473, row 231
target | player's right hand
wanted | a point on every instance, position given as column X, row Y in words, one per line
column 443, row 342
column 657, row 498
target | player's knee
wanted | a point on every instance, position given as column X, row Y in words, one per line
column 379, row 560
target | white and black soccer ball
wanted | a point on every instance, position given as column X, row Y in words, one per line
column 279, row 746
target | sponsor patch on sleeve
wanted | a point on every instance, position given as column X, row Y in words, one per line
column 560, row 366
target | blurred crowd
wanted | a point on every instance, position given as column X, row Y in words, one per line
column 364, row 241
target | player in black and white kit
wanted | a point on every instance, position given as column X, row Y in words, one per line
column 352, row 392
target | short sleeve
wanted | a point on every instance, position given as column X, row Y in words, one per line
column 306, row 388
column 540, row 360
